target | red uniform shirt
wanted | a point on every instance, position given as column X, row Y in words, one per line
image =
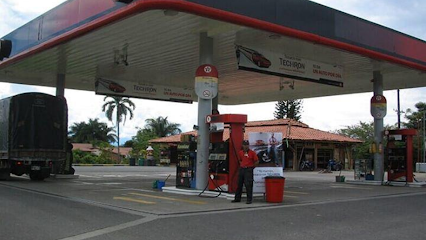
column 247, row 159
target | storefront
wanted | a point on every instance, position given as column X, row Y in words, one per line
column 299, row 143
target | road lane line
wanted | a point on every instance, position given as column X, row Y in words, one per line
column 107, row 230
column 133, row 200
column 168, row 198
column 349, row 187
column 301, row 193
column 290, row 196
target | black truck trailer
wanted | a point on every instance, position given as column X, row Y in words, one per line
column 33, row 134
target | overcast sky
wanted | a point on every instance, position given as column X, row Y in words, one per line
column 327, row 113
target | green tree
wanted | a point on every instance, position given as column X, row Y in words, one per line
column 161, row 127
column 92, row 132
column 141, row 141
column 128, row 143
column 288, row 109
column 415, row 117
column 121, row 106
column 363, row 131
column 415, row 120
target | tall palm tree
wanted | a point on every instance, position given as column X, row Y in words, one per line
column 122, row 106
column 161, row 127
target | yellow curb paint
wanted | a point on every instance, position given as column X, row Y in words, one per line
column 289, row 196
column 133, row 200
column 302, row 193
column 349, row 187
column 167, row 198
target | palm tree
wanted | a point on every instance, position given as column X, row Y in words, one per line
column 122, row 106
column 161, row 127
column 93, row 131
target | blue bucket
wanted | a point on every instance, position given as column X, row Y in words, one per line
column 161, row 184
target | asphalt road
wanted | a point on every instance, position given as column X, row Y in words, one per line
column 85, row 209
column 31, row 215
column 400, row 217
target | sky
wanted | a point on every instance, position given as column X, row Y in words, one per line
column 325, row 113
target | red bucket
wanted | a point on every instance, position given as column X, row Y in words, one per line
column 274, row 187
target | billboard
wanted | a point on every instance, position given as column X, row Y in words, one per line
column 284, row 65
column 104, row 86
column 268, row 147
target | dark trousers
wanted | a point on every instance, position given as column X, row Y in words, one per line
column 245, row 175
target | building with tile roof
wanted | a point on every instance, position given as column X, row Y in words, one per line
column 89, row 148
column 304, row 143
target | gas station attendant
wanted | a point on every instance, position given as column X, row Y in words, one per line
column 248, row 160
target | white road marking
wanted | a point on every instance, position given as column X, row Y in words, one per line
column 111, row 229
column 349, row 187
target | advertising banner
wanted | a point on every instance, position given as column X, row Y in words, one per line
column 268, row 147
column 284, row 65
column 259, row 175
column 105, row 86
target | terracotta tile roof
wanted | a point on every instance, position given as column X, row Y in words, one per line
column 124, row 151
column 88, row 147
column 85, row 147
column 290, row 129
column 276, row 122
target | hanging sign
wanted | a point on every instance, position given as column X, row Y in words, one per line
column 284, row 65
column 378, row 107
column 206, row 81
column 105, row 86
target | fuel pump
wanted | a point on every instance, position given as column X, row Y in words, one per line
column 223, row 156
column 399, row 154
column 185, row 167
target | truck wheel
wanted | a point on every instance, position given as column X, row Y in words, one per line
column 37, row 176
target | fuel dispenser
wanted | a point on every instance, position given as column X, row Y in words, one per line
column 399, row 154
column 223, row 156
column 186, row 157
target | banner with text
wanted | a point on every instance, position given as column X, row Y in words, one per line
column 284, row 65
column 259, row 175
column 147, row 91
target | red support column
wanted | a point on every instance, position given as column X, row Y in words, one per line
column 235, row 144
column 409, row 160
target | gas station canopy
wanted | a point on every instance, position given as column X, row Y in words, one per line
column 158, row 42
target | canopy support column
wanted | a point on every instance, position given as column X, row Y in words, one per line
column 204, row 109
column 60, row 85
column 378, row 131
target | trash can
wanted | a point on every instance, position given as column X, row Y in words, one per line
column 161, row 184
column 132, row 162
column 140, row 162
column 274, row 189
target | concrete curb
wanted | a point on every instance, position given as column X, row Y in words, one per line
column 101, row 165
column 361, row 182
column 395, row 184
